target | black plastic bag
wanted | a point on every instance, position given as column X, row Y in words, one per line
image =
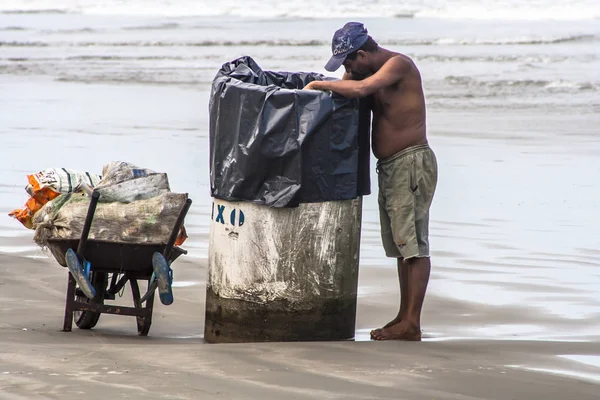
column 274, row 144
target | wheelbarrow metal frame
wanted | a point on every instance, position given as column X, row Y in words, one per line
column 134, row 262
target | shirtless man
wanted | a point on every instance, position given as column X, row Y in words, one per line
column 407, row 166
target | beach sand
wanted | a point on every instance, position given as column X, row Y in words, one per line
column 38, row 361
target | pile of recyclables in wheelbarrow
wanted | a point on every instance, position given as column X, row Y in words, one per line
column 135, row 205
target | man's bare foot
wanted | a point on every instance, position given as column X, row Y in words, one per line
column 395, row 321
column 399, row 331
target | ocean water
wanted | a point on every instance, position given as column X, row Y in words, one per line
column 513, row 97
column 458, row 9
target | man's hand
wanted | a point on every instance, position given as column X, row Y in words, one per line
column 314, row 85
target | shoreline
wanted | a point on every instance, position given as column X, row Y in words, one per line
column 448, row 315
column 445, row 317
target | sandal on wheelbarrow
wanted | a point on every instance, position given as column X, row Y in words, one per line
column 79, row 274
column 164, row 278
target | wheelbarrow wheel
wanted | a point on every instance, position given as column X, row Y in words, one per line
column 89, row 319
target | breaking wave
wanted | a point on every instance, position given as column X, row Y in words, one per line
column 35, row 11
column 524, row 83
column 497, row 42
column 299, row 43
column 166, row 25
column 271, row 9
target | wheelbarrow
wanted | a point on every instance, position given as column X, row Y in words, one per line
column 100, row 269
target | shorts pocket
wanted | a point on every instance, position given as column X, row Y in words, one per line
column 412, row 178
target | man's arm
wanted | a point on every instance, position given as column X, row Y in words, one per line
column 392, row 71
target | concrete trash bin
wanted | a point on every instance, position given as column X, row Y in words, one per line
column 282, row 274
column 288, row 169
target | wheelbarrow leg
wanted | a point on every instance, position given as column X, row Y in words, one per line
column 144, row 321
column 68, row 323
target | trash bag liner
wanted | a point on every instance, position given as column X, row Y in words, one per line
column 272, row 143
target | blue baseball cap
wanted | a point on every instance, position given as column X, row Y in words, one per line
column 346, row 41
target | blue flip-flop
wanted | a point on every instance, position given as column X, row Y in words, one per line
column 164, row 278
column 79, row 274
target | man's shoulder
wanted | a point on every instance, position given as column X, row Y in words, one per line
column 400, row 60
column 404, row 67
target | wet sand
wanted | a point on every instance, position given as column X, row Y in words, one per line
column 38, row 361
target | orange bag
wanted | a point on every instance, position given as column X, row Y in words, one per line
column 47, row 185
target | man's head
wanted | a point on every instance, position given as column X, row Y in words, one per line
column 350, row 46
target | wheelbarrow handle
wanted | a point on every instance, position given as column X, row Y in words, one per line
column 87, row 225
column 176, row 229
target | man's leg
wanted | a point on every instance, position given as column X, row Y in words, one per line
column 408, row 215
column 420, row 269
column 404, row 291
column 404, row 299
column 409, row 328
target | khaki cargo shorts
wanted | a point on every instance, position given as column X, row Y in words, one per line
column 407, row 182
